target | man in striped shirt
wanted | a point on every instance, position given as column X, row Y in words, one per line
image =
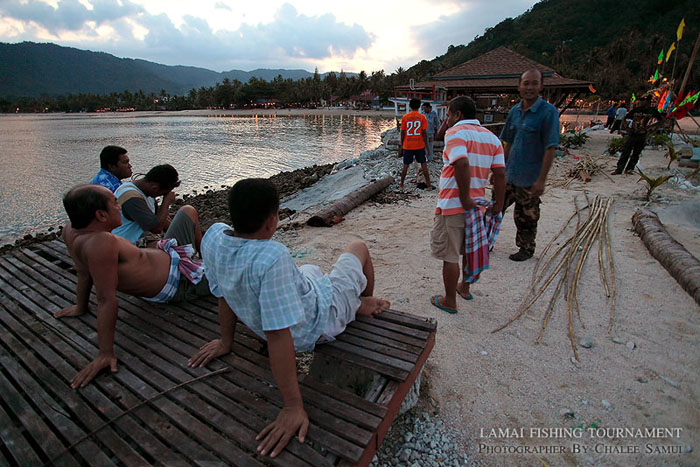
column 470, row 153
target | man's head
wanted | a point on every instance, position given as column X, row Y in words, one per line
column 414, row 103
column 530, row 84
column 115, row 159
column 87, row 203
column 254, row 204
column 460, row 108
column 160, row 180
column 427, row 107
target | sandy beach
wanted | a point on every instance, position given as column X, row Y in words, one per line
column 478, row 381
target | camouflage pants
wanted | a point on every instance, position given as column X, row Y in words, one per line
column 526, row 215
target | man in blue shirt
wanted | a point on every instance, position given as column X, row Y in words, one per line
column 530, row 136
column 433, row 125
column 611, row 115
column 114, row 166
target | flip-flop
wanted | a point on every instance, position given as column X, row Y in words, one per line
column 435, row 301
column 470, row 297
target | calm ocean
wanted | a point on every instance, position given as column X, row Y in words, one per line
column 45, row 155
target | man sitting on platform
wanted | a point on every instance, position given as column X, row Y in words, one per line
column 114, row 167
column 141, row 214
column 257, row 281
column 112, row 263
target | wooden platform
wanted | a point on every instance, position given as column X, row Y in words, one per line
column 213, row 421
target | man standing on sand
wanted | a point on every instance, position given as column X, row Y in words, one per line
column 620, row 115
column 643, row 117
column 470, row 153
column 292, row 308
column 111, row 263
column 114, row 167
column 433, row 124
column 530, row 134
column 141, row 214
column 611, row 116
column 414, row 140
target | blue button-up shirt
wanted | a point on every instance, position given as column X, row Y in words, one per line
column 433, row 122
column 265, row 289
column 529, row 134
column 106, row 178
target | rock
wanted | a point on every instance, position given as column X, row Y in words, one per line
column 688, row 448
column 405, row 455
column 606, row 404
column 584, row 402
column 408, row 436
column 415, row 456
column 483, row 352
column 586, row 342
column 631, row 345
column 617, row 340
column 642, row 380
column 566, row 413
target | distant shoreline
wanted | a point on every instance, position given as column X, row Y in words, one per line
column 229, row 113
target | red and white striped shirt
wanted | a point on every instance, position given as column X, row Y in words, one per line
column 467, row 138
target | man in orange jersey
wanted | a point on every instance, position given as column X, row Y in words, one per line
column 471, row 153
column 414, row 140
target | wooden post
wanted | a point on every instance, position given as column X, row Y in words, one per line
column 690, row 65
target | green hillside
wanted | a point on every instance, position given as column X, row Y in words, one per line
column 612, row 43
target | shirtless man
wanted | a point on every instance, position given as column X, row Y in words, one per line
column 112, row 263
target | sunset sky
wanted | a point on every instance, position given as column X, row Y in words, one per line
column 231, row 34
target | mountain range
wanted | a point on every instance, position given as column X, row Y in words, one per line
column 32, row 69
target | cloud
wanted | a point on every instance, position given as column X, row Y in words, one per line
column 291, row 39
column 69, row 15
column 473, row 17
column 222, row 6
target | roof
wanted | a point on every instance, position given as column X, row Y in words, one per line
column 498, row 70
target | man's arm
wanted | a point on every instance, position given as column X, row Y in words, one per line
column 162, row 212
column 402, row 136
column 82, row 293
column 506, row 150
column 463, row 179
column 217, row 347
column 498, row 178
column 102, row 255
column 292, row 417
column 538, row 187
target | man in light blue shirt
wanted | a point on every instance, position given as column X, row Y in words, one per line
column 257, row 281
column 530, row 136
column 433, row 125
column 114, row 166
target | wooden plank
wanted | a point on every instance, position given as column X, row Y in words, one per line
column 183, row 442
column 400, row 328
column 96, row 399
column 380, row 368
column 19, row 448
column 377, row 347
column 354, row 331
column 200, row 431
column 387, row 333
column 64, row 396
column 406, row 319
column 348, row 397
column 371, row 355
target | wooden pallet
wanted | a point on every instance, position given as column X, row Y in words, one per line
column 213, row 421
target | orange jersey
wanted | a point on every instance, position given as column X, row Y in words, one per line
column 413, row 126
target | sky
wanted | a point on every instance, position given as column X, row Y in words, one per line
column 222, row 35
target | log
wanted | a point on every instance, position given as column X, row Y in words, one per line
column 324, row 217
column 679, row 262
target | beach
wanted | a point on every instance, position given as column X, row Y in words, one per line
column 644, row 373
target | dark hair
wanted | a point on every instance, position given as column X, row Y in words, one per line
column 110, row 156
column 414, row 103
column 463, row 105
column 164, row 175
column 426, row 104
column 533, row 69
column 251, row 202
column 82, row 202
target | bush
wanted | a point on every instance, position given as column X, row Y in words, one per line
column 615, row 145
column 573, row 140
column 658, row 139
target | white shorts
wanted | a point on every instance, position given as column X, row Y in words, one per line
column 348, row 282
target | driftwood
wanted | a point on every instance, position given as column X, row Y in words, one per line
column 679, row 262
column 324, row 217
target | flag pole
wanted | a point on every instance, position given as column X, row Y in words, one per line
column 690, row 65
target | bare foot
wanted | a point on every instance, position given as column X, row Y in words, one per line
column 463, row 291
column 372, row 306
column 66, row 312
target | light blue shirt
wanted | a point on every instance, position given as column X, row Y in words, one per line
column 130, row 229
column 529, row 134
column 433, row 122
column 107, row 179
column 263, row 286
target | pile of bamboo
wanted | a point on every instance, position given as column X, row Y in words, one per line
column 565, row 264
column 584, row 169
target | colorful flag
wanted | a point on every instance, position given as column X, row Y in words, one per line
column 679, row 31
column 591, row 88
column 656, row 75
column 670, row 51
column 661, row 57
column 634, row 98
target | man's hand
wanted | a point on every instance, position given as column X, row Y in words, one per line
column 169, row 198
column 400, row 151
column 277, row 434
column 496, row 209
column 537, row 189
column 207, row 352
column 93, row 368
column 469, row 203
